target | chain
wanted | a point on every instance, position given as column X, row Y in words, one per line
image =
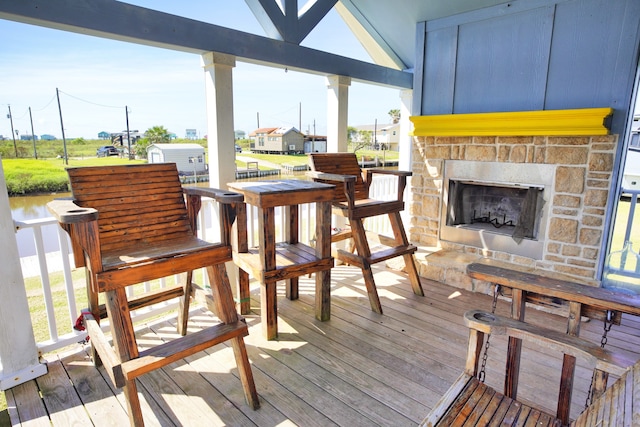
column 483, row 365
column 608, row 322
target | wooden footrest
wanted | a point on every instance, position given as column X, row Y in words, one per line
column 179, row 348
column 149, row 298
column 380, row 256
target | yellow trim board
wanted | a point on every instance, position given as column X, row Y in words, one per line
column 587, row 121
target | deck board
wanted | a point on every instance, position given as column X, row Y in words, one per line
column 359, row 368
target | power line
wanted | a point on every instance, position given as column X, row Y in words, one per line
column 89, row 102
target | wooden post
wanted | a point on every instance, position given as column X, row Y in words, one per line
column 512, row 371
column 18, row 353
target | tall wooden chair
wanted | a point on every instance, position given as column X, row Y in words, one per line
column 352, row 201
column 130, row 224
column 469, row 401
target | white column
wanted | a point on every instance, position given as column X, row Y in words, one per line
column 218, row 69
column 337, row 114
column 18, row 352
column 405, row 145
column 405, row 142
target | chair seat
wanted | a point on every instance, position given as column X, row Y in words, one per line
column 148, row 252
column 365, row 208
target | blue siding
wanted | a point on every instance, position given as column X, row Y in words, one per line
column 533, row 55
column 502, row 54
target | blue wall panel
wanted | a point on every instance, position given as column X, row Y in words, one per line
column 533, row 55
column 440, row 70
column 497, row 61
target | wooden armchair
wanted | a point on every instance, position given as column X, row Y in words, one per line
column 471, row 402
column 129, row 224
column 352, row 201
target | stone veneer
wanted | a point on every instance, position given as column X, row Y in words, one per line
column 577, row 215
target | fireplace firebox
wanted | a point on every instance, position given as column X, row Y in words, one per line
column 496, row 206
column 511, row 210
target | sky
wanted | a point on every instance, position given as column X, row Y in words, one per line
column 98, row 78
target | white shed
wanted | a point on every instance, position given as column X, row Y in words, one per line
column 187, row 157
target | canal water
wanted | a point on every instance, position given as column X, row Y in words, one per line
column 34, row 207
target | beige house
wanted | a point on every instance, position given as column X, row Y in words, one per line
column 277, row 140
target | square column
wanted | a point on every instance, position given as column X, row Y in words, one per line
column 337, row 114
column 218, row 69
column 18, row 352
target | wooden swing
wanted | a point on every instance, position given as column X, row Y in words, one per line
column 470, row 402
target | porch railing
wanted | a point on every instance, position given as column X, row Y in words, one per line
column 60, row 321
column 622, row 267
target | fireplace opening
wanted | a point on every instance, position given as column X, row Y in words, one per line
column 511, row 210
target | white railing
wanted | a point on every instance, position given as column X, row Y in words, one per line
column 44, row 264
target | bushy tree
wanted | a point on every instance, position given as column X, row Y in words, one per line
column 395, row 115
column 157, row 135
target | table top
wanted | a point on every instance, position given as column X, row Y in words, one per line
column 283, row 192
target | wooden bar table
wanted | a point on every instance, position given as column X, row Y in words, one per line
column 274, row 261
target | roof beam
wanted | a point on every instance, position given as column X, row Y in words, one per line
column 294, row 24
column 125, row 22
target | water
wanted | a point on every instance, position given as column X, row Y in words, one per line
column 34, row 207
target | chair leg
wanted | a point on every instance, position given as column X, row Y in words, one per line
column 133, row 403
column 92, row 300
column 362, row 248
column 183, row 310
column 223, row 299
column 401, row 238
column 245, row 372
column 125, row 345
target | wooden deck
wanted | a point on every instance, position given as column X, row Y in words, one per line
column 359, row 368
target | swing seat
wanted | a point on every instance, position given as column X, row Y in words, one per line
column 470, row 402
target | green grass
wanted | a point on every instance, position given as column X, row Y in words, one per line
column 28, row 176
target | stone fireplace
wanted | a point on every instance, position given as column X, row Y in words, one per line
column 570, row 177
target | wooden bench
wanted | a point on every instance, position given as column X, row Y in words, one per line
column 582, row 300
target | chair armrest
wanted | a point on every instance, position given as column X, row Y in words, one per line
column 331, row 176
column 67, row 212
column 221, row 196
column 390, row 172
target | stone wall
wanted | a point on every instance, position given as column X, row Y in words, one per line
column 576, row 222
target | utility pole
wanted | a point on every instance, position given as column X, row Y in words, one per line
column 33, row 136
column 13, row 134
column 64, row 140
column 126, row 111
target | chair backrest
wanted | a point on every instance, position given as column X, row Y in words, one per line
column 340, row 164
column 135, row 203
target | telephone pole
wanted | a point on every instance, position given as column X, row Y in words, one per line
column 13, row 134
column 64, row 140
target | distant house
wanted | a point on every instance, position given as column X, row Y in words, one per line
column 187, row 157
column 27, row 137
column 47, row 137
column 383, row 137
column 191, row 134
column 104, row 135
column 277, row 140
column 315, row 144
column 240, row 134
